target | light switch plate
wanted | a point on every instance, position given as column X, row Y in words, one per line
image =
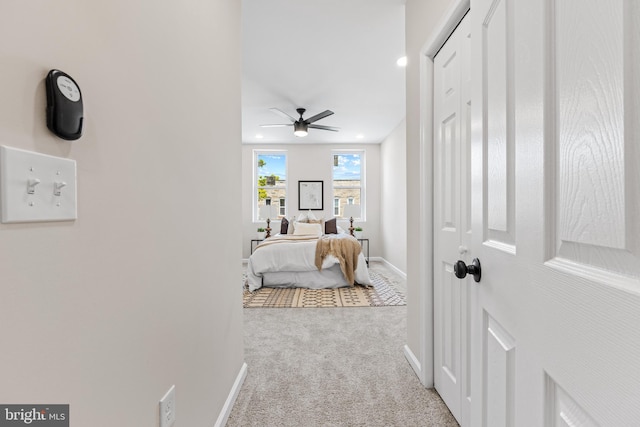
column 168, row 408
column 36, row 187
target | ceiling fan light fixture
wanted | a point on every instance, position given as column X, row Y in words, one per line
column 300, row 129
column 301, row 126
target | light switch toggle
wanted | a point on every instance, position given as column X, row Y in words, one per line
column 31, row 185
column 57, row 186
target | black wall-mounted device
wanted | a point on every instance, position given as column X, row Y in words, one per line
column 64, row 106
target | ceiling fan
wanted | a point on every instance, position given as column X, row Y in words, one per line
column 301, row 126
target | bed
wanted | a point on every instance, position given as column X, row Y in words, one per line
column 289, row 260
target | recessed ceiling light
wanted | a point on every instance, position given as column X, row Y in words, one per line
column 259, row 136
column 359, row 136
column 402, row 62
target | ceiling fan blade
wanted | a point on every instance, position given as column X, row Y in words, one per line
column 276, row 126
column 283, row 114
column 319, row 116
column 331, row 128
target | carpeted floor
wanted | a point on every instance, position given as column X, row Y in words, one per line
column 332, row 367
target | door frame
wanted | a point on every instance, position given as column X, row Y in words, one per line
column 422, row 364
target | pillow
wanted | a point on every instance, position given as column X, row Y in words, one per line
column 312, row 219
column 307, row 217
column 292, row 225
column 304, row 229
column 320, row 222
column 284, row 226
column 303, row 217
column 331, row 227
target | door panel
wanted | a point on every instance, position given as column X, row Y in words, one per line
column 451, row 215
column 499, row 370
column 450, row 321
column 555, row 322
column 590, row 142
column 562, row 411
column 595, row 208
column 447, row 231
column 449, row 178
column 499, row 215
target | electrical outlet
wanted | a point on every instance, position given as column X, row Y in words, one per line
column 168, row 408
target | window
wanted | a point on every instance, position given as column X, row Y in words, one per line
column 270, row 185
column 283, row 210
column 348, row 185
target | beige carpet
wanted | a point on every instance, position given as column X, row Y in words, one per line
column 381, row 294
column 333, row 367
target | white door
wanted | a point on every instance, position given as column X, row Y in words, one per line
column 452, row 230
column 556, row 212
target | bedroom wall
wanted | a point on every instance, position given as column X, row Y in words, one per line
column 393, row 212
column 422, row 19
column 105, row 313
column 305, row 162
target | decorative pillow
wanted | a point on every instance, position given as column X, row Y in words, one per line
column 303, row 217
column 308, row 217
column 284, row 226
column 331, row 226
column 320, row 222
column 292, row 225
column 304, row 229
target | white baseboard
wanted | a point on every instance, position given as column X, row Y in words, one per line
column 413, row 361
column 393, row 267
column 231, row 399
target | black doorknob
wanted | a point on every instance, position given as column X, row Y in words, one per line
column 461, row 269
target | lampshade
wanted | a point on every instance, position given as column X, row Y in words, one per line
column 299, row 129
column 268, row 211
column 351, row 211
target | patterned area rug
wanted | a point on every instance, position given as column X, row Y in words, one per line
column 381, row 294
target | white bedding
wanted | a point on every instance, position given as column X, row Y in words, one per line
column 292, row 264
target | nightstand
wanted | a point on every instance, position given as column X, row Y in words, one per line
column 256, row 241
column 365, row 249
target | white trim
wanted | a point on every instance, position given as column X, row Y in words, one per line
column 441, row 32
column 450, row 20
column 231, row 399
column 413, row 361
column 390, row 266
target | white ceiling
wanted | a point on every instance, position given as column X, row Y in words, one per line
column 337, row 55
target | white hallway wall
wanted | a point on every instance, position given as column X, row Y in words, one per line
column 393, row 212
column 107, row 312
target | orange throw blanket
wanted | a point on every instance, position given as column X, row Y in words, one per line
column 346, row 249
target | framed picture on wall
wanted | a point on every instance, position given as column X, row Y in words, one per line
column 310, row 195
